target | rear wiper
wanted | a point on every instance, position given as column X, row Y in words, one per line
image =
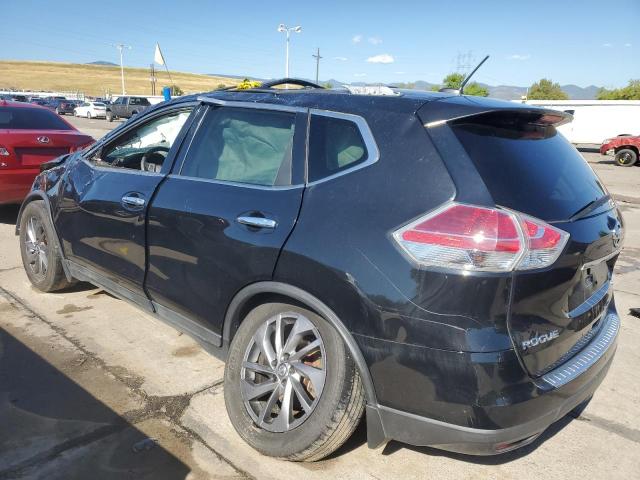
column 590, row 207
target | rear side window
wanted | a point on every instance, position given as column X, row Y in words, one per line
column 244, row 146
column 30, row 119
column 335, row 144
column 529, row 167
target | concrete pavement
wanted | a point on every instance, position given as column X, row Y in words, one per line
column 91, row 387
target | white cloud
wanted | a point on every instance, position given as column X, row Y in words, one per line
column 518, row 56
column 374, row 40
column 359, row 74
column 341, row 59
column 607, row 45
column 382, row 58
column 627, row 45
column 399, row 73
column 357, row 38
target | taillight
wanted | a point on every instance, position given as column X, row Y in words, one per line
column 544, row 243
column 473, row 238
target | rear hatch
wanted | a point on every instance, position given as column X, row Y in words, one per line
column 528, row 167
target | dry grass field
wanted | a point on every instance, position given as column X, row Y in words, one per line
column 96, row 80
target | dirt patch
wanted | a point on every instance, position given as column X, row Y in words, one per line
column 186, row 351
column 70, row 308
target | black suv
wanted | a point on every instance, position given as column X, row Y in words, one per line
column 61, row 106
column 443, row 262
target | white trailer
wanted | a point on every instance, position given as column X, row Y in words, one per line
column 594, row 121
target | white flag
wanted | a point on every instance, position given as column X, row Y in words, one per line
column 158, row 58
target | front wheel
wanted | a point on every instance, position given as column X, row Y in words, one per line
column 626, row 157
column 109, row 117
column 41, row 260
column 89, row 115
column 291, row 389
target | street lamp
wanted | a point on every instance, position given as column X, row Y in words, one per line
column 283, row 28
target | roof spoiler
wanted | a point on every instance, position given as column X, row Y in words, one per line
column 458, row 110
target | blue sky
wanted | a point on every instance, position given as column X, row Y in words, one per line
column 570, row 41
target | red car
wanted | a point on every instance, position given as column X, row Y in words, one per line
column 29, row 136
column 624, row 148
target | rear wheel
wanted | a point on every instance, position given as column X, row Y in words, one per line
column 41, row 260
column 109, row 117
column 89, row 115
column 291, row 389
column 626, row 157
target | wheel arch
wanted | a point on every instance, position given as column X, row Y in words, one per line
column 627, row 147
column 259, row 293
column 33, row 196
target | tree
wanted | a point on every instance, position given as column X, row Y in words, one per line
column 545, row 89
column 246, row 84
column 454, row 80
column 176, row 91
column 630, row 92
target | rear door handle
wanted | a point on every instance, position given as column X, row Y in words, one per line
column 257, row 222
column 133, row 201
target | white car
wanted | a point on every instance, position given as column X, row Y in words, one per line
column 91, row 110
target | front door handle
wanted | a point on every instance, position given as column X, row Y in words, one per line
column 257, row 222
column 133, row 201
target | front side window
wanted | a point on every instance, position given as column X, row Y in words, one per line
column 243, row 145
column 145, row 147
column 335, row 144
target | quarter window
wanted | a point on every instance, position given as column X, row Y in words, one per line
column 335, row 144
column 243, row 145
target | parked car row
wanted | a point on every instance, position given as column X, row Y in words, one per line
column 442, row 262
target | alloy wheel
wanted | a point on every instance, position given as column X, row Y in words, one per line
column 36, row 247
column 625, row 158
column 283, row 372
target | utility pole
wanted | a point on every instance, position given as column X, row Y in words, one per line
column 121, row 47
column 153, row 79
column 317, row 57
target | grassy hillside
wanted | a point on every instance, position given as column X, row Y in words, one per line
column 97, row 79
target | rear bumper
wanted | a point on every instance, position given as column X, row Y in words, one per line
column 576, row 382
column 15, row 184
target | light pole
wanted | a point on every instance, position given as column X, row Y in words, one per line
column 121, row 47
column 283, row 28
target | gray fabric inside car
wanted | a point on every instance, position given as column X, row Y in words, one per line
column 243, row 146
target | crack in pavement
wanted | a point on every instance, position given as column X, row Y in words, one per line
column 610, row 426
column 169, row 407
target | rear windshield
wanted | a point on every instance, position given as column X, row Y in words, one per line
column 532, row 169
column 30, row 119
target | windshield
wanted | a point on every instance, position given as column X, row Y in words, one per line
column 531, row 169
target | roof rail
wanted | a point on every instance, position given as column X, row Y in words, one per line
column 290, row 81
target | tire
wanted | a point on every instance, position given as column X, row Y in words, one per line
column 89, row 115
column 334, row 404
column 36, row 240
column 626, row 157
column 134, row 113
column 109, row 117
column 58, row 111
